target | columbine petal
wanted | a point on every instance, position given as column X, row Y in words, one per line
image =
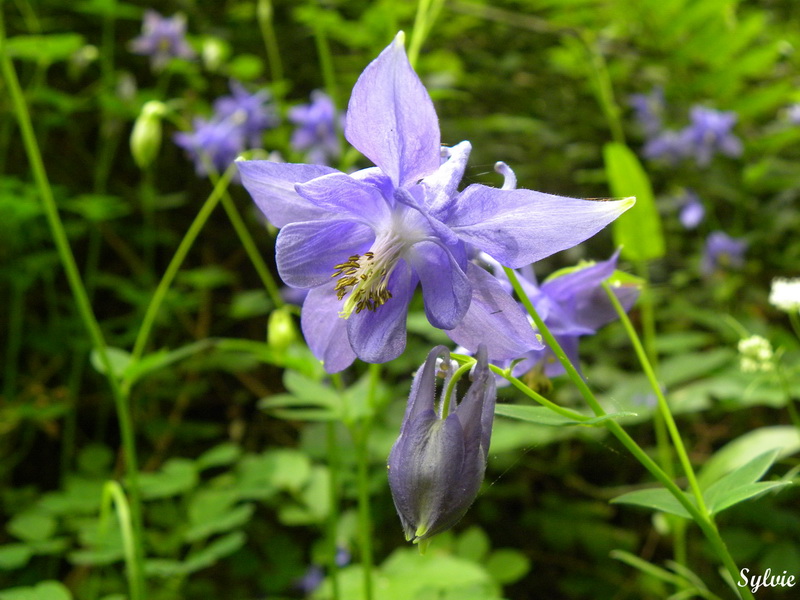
column 493, row 319
column 325, row 333
column 518, row 227
column 391, row 119
column 445, row 287
column 380, row 336
column 272, row 186
column 342, row 194
column 442, row 186
column 307, row 253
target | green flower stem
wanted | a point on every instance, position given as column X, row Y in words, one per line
column 267, row 280
column 112, row 492
column 177, row 260
column 604, row 90
column 333, row 517
column 451, row 385
column 360, row 437
column 663, row 406
column 76, row 285
column 794, row 319
column 326, row 63
column 703, row 519
column 14, row 341
column 265, row 14
column 427, row 11
column 787, row 391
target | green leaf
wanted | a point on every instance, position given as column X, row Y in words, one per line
column 219, row 548
column 657, row 498
column 45, row 49
column 220, row 523
column 473, row 544
column 32, row 526
column 541, row 415
column 118, row 358
column 14, row 556
column 45, row 590
column 638, row 230
column 507, row 566
column 177, row 476
column 161, row 359
column 734, row 455
column 740, row 484
column 219, row 456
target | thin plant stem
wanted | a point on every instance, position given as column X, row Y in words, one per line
column 175, row 264
column 361, row 437
column 326, row 64
column 663, row 406
column 702, row 518
column 112, row 493
column 14, row 341
column 427, row 11
column 603, row 88
column 794, row 319
column 79, row 292
column 334, row 465
column 265, row 14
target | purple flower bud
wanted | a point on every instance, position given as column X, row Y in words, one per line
column 648, row 110
column 437, row 464
column 692, row 210
column 710, row 132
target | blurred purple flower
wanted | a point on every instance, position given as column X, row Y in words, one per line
column 722, row 251
column 648, row 110
column 572, row 305
column 162, row 39
column 382, row 231
column 252, row 112
column 692, row 211
column 311, row 580
column 669, row 145
column 316, row 129
column 709, row 133
column 216, row 141
column 438, row 462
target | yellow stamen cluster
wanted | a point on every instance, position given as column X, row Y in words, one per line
column 368, row 281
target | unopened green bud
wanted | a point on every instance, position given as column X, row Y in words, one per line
column 146, row 134
column 281, row 330
column 215, row 53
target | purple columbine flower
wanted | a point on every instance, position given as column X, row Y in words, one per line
column 316, row 129
column 648, row 110
column 363, row 242
column 722, row 251
column 692, row 211
column 215, row 141
column 253, row 112
column 437, row 464
column 709, row 133
column 162, row 39
column 572, row 305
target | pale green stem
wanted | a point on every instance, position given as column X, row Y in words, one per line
column 75, row 282
column 451, row 386
column 175, row 264
column 265, row 14
column 333, row 517
column 427, row 11
column 112, row 492
column 794, row 319
column 663, row 406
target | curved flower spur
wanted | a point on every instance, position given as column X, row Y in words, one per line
column 437, row 464
column 362, row 242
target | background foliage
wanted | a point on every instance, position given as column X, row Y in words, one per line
column 240, row 435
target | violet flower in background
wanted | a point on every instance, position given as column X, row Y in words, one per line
column 438, row 462
column 382, row 231
column 669, row 145
column 162, row 39
column 572, row 305
column 253, row 112
column 316, row 131
column 692, row 211
column 722, row 251
column 238, row 122
column 710, row 133
column 648, row 110
column 214, row 140
column 793, row 113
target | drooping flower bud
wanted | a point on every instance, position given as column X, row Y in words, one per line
column 146, row 135
column 437, row 464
